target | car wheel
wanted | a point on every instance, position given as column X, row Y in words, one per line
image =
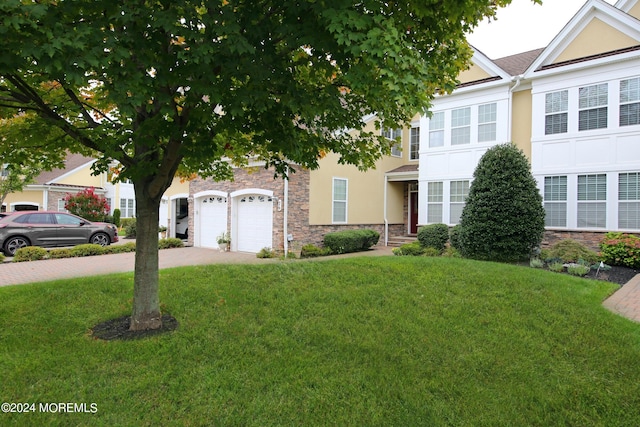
column 100, row 239
column 13, row 244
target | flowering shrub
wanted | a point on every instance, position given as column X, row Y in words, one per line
column 87, row 204
column 621, row 249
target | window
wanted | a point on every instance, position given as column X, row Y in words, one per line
column 629, row 200
column 592, row 201
column 487, row 122
column 630, row 102
column 436, row 130
column 339, row 213
column 461, row 126
column 414, row 144
column 64, row 219
column 434, row 202
column 459, row 191
column 394, row 135
column 127, row 208
column 61, row 204
column 592, row 104
column 556, row 105
column 555, row 201
column 3, row 170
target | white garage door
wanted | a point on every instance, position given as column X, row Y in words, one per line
column 255, row 222
column 213, row 220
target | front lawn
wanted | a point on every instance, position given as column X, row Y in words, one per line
column 389, row 341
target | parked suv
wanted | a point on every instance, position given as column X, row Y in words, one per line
column 47, row 229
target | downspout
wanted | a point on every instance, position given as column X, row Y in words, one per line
column 518, row 80
column 386, row 220
column 285, row 224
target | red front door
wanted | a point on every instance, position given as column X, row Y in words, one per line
column 413, row 212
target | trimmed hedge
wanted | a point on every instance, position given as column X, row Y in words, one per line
column 30, row 253
column 312, row 251
column 347, row 241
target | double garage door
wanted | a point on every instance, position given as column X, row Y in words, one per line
column 252, row 221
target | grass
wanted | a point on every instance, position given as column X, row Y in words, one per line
column 386, row 341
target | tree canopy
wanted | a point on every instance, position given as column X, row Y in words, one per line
column 169, row 86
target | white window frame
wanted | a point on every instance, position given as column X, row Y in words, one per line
column 629, row 97
column 339, row 202
column 457, row 200
column 61, row 204
column 629, row 200
column 414, row 143
column 461, row 126
column 593, row 99
column 555, row 200
column 436, row 130
column 394, row 135
column 592, row 201
column 487, row 122
column 435, row 202
column 556, row 112
column 129, row 209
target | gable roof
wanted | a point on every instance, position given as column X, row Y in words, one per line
column 72, row 163
column 517, row 64
column 595, row 16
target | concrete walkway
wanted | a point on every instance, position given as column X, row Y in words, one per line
column 626, row 301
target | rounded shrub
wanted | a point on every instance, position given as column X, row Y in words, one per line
column 454, row 236
column 311, row 251
column 621, row 249
column 87, row 249
column 409, row 249
column 503, row 218
column 434, row 236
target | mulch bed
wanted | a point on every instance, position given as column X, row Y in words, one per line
column 617, row 274
column 118, row 329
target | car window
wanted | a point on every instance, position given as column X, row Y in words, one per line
column 34, row 218
column 65, row 219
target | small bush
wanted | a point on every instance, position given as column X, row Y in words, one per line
column 569, row 250
column 60, row 253
column 170, row 242
column 266, row 253
column 431, row 252
column 30, row 253
column 451, row 252
column 347, row 241
column 312, row 251
column 120, row 249
column 434, row 236
column 409, row 249
column 1, row 257
column 578, row 269
column 116, row 217
column 88, row 249
column 621, row 249
column 536, row 263
column 454, row 236
column 556, row 266
column 130, row 229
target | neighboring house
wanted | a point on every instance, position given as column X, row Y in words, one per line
column 50, row 188
column 572, row 107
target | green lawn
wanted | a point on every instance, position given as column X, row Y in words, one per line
column 391, row 341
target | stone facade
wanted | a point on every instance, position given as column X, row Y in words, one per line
column 591, row 239
column 298, row 226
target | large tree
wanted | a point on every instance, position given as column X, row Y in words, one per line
column 162, row 86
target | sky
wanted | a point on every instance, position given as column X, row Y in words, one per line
column 524, row 26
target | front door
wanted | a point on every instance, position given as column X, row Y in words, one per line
column 413, row 212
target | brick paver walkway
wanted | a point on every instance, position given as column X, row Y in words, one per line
column 626, row 300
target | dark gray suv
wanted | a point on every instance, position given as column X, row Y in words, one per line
column 47, row 229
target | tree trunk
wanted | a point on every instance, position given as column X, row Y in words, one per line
column 146, row 299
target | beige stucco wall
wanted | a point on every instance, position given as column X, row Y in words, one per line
column 25, row 197
column 597, row 37
column 83, row 177
column 521, row 121
column 365, row 198
column 472, row 74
